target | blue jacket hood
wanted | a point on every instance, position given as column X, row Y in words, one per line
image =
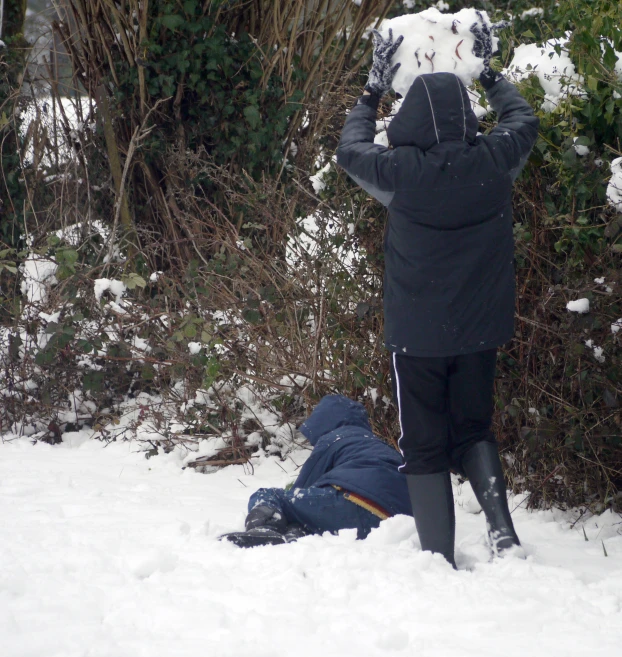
column 347, row 454
column 332, row 412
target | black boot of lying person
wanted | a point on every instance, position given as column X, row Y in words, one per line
column 263, row 535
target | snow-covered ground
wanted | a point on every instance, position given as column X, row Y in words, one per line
column 106, row 553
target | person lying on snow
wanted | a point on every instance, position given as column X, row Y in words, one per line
column 350, row 481
column 449, row 274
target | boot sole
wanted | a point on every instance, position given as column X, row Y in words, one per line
column 244, row 540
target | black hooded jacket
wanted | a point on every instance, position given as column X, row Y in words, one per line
column 449, row 250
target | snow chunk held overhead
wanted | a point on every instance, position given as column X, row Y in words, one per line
column 614, row 189
column 579, row 306
column 433, row 43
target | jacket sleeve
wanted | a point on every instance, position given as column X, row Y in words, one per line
column 517, row 129
column 372, row 166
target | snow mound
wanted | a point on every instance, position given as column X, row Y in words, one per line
column 614, row 189
column 435, row 43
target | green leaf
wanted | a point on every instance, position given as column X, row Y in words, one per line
column 610, row 58
column 528, row 34
column 93, row 381
column 251, row 113
column 68, row 256
column 569, row 158
column 85, row 346
column 133, row 280
column 172, row 21
column 251, row 316
column 64, row 272
column 148, row 372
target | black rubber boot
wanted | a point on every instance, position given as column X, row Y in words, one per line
column 265, row 516
column 483, row 468
column 294, row 532
column 432, row 503
column 255, row 537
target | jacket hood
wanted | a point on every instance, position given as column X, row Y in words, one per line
column 332, row 412
column 436, row 108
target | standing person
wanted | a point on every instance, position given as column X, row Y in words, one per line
column 449, row 275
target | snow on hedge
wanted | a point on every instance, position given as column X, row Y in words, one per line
column 598, row 351
column 579, row 306
column 38, row 275
column 614, row 189
column 101, row 285
column 552, row 65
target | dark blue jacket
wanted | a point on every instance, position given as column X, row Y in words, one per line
column 346, row 453
column 449, row 247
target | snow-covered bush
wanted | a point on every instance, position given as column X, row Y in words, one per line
column 241, row 294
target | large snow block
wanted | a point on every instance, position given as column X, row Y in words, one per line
column 435, row 42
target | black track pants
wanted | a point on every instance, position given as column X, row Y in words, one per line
column 445, row 407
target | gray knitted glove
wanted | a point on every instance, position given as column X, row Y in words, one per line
column 483, row 48
column 381, row 73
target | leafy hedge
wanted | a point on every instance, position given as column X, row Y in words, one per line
column 273, row 280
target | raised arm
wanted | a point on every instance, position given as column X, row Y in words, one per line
column 370, row 165
column 517, row 128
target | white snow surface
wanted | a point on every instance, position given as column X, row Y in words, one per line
column 431, row 46
column 614, row 189
column 107, row 554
